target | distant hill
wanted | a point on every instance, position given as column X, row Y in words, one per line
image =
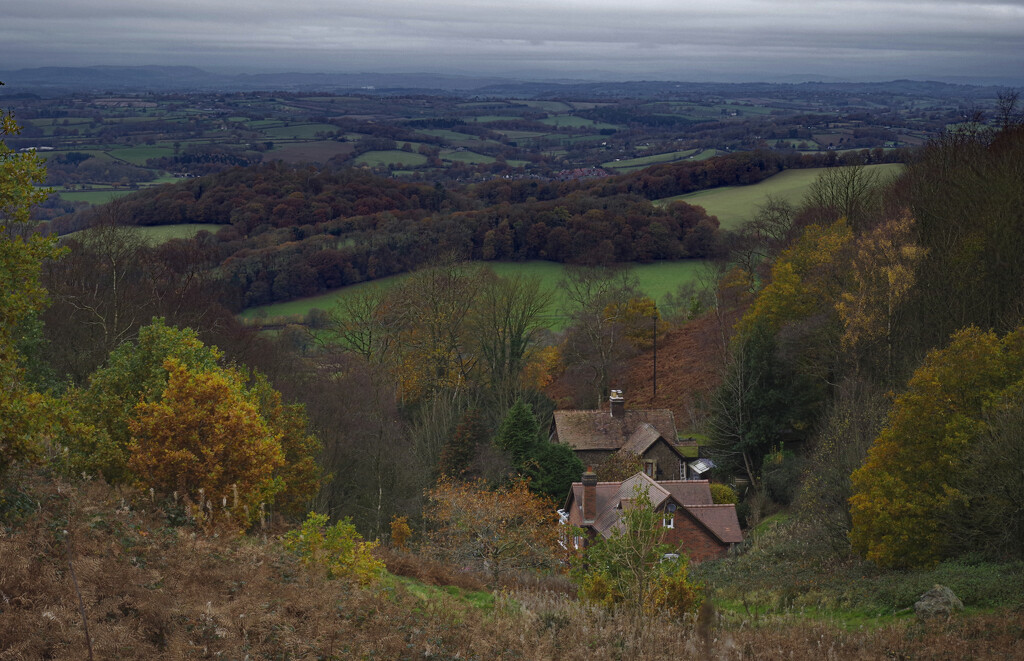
column 60, row 80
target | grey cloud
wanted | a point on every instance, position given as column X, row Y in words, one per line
column 620, row 35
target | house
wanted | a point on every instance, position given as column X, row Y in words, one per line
column 596, row 435
column 693, row 523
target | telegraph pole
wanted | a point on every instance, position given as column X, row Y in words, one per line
column 654, row 318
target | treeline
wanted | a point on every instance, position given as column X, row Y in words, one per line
column 872, row 287
column 299, row 231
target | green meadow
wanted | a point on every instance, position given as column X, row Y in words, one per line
column 656, row 280
column 470, row 157
column 157, row 234
column 735, row 205
column 92, row 196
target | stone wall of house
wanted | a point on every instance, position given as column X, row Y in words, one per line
column 693, row 539
column 667, row 461
column 593, row 457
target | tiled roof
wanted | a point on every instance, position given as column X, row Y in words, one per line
column 720, row 520
column 644, row 437
column 688, row 492
column 693, row 495
column 598, row 430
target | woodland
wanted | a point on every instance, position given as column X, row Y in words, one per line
column 379, row 483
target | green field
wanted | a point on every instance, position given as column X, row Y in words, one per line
column 139, row 155
column 735, row 205
column 160, row 233
column 644, row 161
column 574, row 122
column 548, row 106
column 396, row 156
column 298, row 131
column 483, row 119
column 656, row 280
column 451, row 136
column 157, row 234
column 470, row 157
column 319, row 151
column 92, row 196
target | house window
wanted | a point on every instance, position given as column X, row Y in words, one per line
column 669, row 518
column 650, row 467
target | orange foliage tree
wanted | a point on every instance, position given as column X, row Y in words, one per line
column 491, row 530
column 204, row 435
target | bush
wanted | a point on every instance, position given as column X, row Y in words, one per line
column 723, row 494
column 339, row 549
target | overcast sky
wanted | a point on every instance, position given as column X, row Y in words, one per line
column 623, row 39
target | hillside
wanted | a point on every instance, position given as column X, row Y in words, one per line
column 84, row 556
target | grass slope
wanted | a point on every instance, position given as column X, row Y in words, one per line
column 734, row 205
column 656, row 280
column 150, row 585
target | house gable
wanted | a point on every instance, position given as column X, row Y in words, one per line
column 700, row 528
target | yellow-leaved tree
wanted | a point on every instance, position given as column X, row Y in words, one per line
column 24, row 415
column 908, row 492
column 204, row 436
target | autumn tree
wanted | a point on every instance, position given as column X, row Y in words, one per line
column 133, row 373
column 781, row 353
column 24, row 414
column 493, row 531
column 908, row 491
column 427, row 315
column 506, row 323
column 595, row 343
column 204, row 437
column 136, row 380
column 640, row 320
column 883, row 272
column 851, row 192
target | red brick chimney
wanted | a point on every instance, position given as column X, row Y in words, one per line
column 617, row 404
column 589, row 495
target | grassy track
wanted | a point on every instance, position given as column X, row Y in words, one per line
column 734, row 205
